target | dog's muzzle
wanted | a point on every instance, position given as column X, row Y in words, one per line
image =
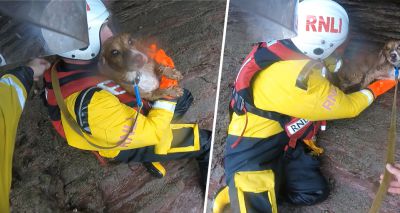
column 137, row 59
column 393, row 57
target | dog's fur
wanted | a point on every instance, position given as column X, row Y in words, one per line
column 123, row 59
column 358, row 73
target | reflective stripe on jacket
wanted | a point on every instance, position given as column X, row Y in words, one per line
column 14, row 87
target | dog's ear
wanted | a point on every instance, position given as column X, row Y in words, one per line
column 103, row 60
column 381, row 57
column 102, row 65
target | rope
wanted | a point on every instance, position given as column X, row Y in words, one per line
column 236, row 143
column 390, row 158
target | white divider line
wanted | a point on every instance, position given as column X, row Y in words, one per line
column 221, row 62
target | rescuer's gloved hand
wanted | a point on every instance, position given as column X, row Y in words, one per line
column 381, row 86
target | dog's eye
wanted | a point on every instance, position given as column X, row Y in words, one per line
column 398, row 47
column 115, row 52
column 130, row 41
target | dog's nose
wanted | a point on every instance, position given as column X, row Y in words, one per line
column 393, row 56
column 139, row 60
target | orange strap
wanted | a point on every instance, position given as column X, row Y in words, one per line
column 236, row 143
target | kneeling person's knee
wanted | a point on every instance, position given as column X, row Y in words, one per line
column 307, row 197
column 305, row 184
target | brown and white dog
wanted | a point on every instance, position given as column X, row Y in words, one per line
column 124, row 60
column 360, row 71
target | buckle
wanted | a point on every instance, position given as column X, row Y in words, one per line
column 238, row 102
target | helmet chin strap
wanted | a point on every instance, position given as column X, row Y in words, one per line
column 76, row 61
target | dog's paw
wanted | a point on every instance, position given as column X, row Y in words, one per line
column 171, row 73
column 174, row 92
column 177, row 75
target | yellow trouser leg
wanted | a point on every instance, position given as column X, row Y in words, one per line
column 221, row 200
column 260, row 184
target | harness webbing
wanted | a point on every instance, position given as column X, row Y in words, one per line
column 242, row 106
column 302, row 79
column 68, row 79
column 263, row 113
column 236, row 143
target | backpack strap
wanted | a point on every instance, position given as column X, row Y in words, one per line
column 240, row 106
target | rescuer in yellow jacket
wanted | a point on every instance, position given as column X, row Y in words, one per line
column 15, row 85
column 96, row 114
column 270, row 153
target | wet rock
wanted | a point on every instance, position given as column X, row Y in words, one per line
column 373, row 21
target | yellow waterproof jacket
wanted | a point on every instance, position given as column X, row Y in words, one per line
column 104, row 113
column 14, row 87
column 109, row 121
column 274, row 89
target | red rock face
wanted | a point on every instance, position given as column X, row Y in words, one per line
column 373, row 21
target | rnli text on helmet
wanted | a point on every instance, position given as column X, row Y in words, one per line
column 326, row 23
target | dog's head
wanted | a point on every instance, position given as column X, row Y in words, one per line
column 124, row 54
column 391, row 52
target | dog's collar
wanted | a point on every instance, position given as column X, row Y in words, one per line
column 136, row 87
column 396, row 72
column 135, row 83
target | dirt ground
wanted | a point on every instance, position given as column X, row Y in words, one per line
column 50, row 176
column 354, row 148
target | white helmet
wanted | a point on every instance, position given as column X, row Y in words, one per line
column 323, row 25
column 96, row 14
